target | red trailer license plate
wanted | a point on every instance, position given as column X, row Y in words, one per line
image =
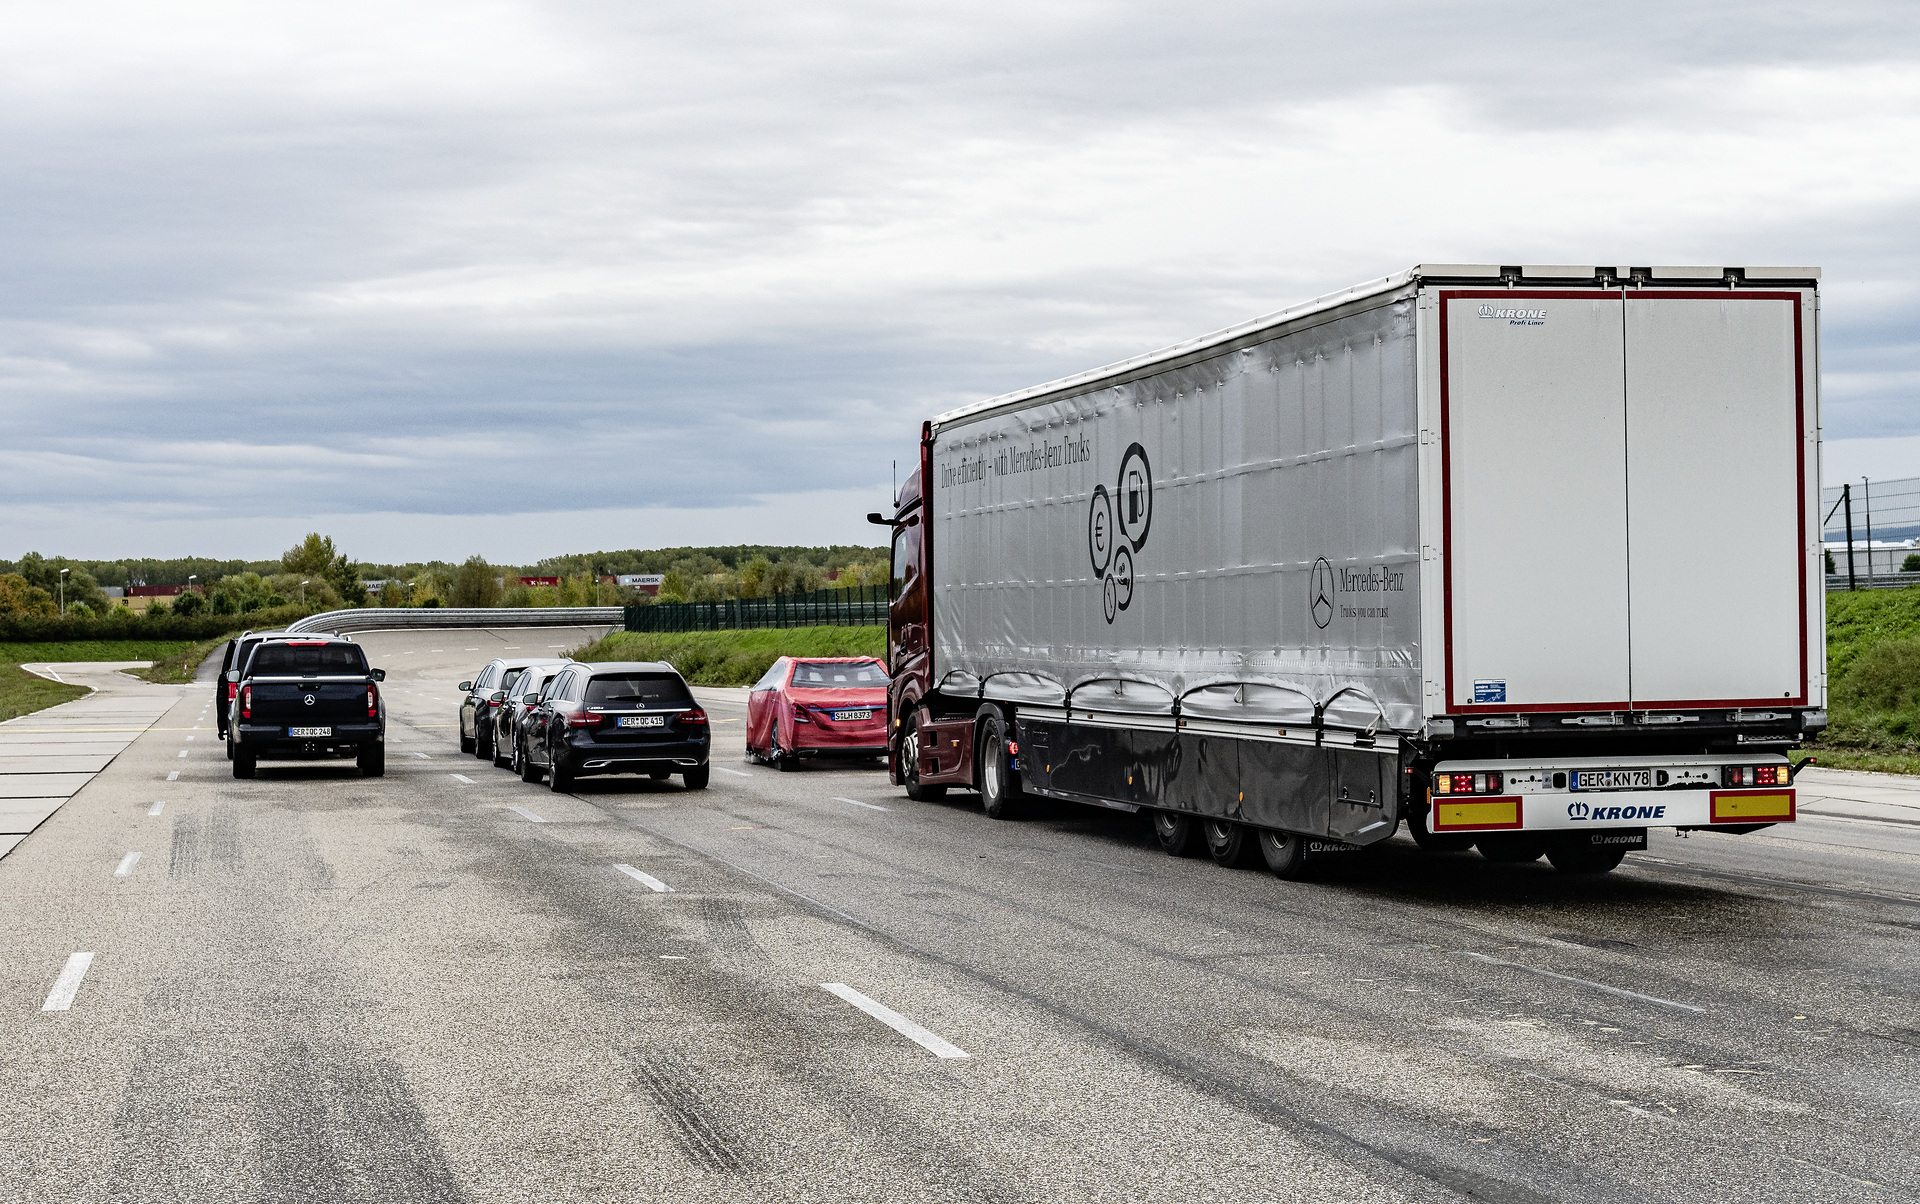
column 843, row 716
column 643, row 721
column 1611, row 779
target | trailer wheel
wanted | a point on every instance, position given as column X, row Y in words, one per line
column 1000, row 791
column 1178, row 834
column 1228, row 843
column 1511, row 847
column 1434, row 842
column 910, row 765
column 1585, row 859
column 1284, row 852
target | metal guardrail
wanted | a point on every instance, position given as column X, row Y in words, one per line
column 861, row 606
column 1837, row 582
column 383, row 618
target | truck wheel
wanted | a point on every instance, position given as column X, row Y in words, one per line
column 245, row 763
column 1228, row 843
column 529, row 772
column 1585, row 859
column 373, row 760
column 1178, row 834
column 910, row 765
column 696, row 779
column 1284, row 852
column 1435, row 842
column 1511, row 847
column 1000, row 791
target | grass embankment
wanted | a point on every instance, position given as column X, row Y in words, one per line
column 178, row 666
column 91, row 650
column 22, row 693
column 734, row 658
column 1873, row 682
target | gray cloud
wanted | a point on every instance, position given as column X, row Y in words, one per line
column 352, row 261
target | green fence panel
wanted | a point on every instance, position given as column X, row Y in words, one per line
column 859, row 606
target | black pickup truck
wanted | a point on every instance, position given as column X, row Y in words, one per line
column 306, row 698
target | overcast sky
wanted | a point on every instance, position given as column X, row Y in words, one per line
column 528, row 279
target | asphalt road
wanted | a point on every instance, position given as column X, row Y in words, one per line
column 440, row 986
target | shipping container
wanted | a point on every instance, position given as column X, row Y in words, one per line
column 1438, row 549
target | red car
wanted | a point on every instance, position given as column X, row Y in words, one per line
column 818, row 706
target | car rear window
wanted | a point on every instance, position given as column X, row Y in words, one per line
column 637, row 690
column 285, row 659
column 836, row 676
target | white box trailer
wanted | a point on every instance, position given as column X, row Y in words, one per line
column 1449, row 547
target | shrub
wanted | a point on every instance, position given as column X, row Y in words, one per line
column 1910, row 565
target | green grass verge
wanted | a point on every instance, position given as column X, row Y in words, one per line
column 734, row 658
column 91, row 650
column 22, row 693
column 178, row 666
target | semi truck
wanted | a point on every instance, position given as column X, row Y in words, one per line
column 1523, row 557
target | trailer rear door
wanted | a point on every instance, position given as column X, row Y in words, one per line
column 1535, row 500
column 1591, row 442
column 1715, row 540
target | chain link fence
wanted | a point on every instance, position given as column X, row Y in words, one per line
column 859, row 606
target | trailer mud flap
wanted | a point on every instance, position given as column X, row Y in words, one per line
column 1343, row 794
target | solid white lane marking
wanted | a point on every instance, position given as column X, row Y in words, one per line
column 856, row 802
column 126, row 865
column 461, row 777
column 174, row 776
column 646, row 880
column 525, row 814
column 1598, row 986
column 927, row 1038
column 67, row 985
column 735, row 772
column 155, row 809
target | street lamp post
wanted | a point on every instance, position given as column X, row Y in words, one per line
column 303, row 593
column 63, row 590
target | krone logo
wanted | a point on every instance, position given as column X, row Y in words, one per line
column 1320, row 593
column 309, row 700
column 1576, row 810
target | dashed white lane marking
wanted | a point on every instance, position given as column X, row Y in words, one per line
column 156, row 808
column 423, row 756
column 735, row 772
column 939, row 1046
column 67, row 985
column 525, row 814
column 436, row 650
column 183, row 752
column 174, row 776
column 1598, row 986
column 461, row 777
column 646, row 880
column 856, row 802
column 126, row 865
column 469, row 650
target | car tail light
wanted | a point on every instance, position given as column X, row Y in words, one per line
column 373, row 706
column 800, row 714
column 583, row 719
column 246, row 703
column 695, row 717
column 233, row 687
column 1757, row 775
column 1466, row 783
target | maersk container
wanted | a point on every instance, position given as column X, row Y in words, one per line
column 1523, row 556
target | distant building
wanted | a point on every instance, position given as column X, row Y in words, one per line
column 1877, row 559
column 162, row 591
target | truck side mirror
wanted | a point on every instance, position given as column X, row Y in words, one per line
column 379, row 675
column 466, row 687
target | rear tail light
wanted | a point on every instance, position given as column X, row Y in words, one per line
column 800, row 714
column 1757, row 775
column 233, row 687
column 696, row 717
column 583, row 719
column 246, row 703
column 1466, row 783
column 373, row 706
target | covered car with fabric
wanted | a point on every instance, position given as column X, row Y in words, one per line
column 818, row 706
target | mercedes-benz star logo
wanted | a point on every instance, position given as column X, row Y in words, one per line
column 1320, row 593
column 309, row 700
